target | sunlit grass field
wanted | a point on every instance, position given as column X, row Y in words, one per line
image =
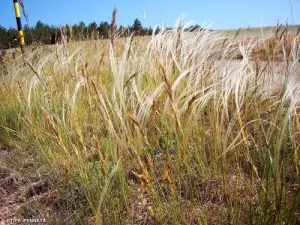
column 258, row 32
column 177, row 128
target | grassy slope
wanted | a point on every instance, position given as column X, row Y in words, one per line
column 258, row 32
column 161, row 131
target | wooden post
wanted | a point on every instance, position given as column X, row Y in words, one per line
column 20, row 31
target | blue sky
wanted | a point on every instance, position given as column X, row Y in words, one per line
column 223, row 14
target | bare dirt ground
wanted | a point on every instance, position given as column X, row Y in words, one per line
column 22, row 187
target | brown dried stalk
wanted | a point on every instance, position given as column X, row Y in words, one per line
column 67, row 172
column 144, row 178
column 35, row 72
column 237, row 33
column 169, row 91
column 168, row 179
column 190, row 104
column 130, row 78
column 130, row 44
column 102, row 162
column 137, row 123
column 113, row 27
column 153, row 110
column 298, row 31
column 141, row 129
column 278, row 27
column 55, row 130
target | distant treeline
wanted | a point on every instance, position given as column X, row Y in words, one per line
column 43, row 33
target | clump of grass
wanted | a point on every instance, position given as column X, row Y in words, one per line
column 166, row 129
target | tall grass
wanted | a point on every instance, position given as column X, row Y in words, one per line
column 168, row 129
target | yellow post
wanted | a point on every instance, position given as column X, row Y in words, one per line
column 18, row 18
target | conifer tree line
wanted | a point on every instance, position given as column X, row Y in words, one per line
column 41, row 33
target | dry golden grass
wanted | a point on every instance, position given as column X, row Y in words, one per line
column 168, row 129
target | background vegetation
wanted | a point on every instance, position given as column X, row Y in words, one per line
column 175, row 128
column 41, row 32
